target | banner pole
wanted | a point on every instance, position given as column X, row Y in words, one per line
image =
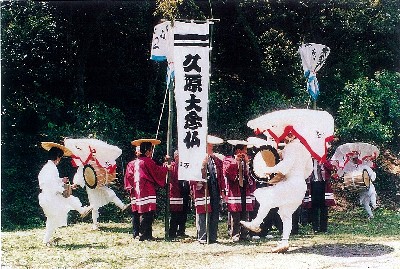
column 207, row 214
column 170, row 154
column 211, row 24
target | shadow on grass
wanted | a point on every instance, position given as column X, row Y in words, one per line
column 346, row 250
column 80, row 246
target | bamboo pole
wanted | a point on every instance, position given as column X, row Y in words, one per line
column 211, row 23
column 170, row 154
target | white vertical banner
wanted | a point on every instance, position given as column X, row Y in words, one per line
column 191, row 61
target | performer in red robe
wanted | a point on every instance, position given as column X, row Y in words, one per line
column 240, row 188
column 145, row 176
column 129, row 187
column 179, row 201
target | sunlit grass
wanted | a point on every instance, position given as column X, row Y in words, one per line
column 384, row 223
column 113, row 246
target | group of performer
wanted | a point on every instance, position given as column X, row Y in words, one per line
column 297, row 180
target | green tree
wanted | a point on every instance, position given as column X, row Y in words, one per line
column 370, row 110
column 29, row 37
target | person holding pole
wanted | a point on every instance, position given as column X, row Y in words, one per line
column 146, row 176
column 179, row 201
column 207, row 194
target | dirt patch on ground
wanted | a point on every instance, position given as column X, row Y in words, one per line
column 381, row 256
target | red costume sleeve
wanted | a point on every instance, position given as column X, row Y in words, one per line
column 230, row 168
column 128, row 178
column 156, row 173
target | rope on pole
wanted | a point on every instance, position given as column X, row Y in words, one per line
column 159, row 120
column 162, row 112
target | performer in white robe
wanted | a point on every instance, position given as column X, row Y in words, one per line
column 54, row 204
column 287, row 195
column 367, row 196
column 368, row 199
column 98, row 197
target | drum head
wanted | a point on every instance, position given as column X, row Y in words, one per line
column 269, row 157
column 89, row 174
column 366, row 178
column 265, row 156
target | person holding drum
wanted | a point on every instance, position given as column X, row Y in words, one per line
column 368, row 199
column 146, row 176
column 367, row 195
column 51, row 199
column 263, row 151
column 240, row 188
column 288, row 188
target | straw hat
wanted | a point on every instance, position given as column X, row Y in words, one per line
column 140, row 141
column 48, row 145
column 214, row 140
column 238, row 142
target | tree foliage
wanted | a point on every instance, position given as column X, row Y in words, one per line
column 82, row 69
column 370, row 110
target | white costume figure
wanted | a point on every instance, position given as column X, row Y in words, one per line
column 296, row 166
column 356, row 157
column 367, row 196
column 306, row 133
column 55, row 206
column 98, row 197
column 88, row 150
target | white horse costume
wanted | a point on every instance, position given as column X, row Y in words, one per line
column 312, row 129
column 288, row 194
column 98, row 197
column 106, row 155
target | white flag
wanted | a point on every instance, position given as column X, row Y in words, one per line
column 313, row 57
column 162, row 47
column 191, row 61
column 162, row 43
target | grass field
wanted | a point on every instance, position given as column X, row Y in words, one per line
column 352, row 242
